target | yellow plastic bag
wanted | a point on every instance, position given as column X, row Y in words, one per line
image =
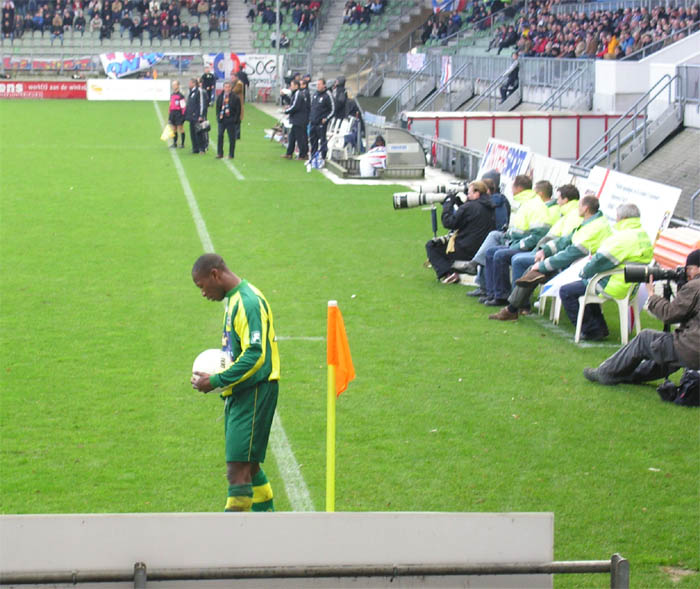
column 168, row 133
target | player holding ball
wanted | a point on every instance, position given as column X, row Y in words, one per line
column 250, row 383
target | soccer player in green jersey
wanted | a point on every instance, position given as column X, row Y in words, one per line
column 250, row 383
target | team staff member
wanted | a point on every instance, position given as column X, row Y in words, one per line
column 176, row 113
column 322, row 110
column 208, row 83
column 228, row 115
column 195, row 113
column 656, row 354
column 250, row 383
column 298, row 117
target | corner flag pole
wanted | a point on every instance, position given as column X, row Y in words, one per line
column 340, row 373
column 330, row 441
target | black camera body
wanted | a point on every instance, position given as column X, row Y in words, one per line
column 640, row 273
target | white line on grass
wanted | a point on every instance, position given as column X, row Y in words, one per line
column 294, row 483
column 229, row 164
column 567, row 334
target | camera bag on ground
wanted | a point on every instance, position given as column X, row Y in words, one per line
column 687, row 393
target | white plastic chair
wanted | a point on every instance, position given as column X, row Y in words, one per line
column 623, row 305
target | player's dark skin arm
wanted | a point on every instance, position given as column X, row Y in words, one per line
column 200, row 381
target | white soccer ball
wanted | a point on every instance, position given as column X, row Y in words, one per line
column 210, row 361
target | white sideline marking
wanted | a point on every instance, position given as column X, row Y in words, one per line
column 191, row 200
column 294, row 483
column 228, row 163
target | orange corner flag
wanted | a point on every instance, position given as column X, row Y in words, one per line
column 338, row 354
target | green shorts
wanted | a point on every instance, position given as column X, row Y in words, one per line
column 248, row 420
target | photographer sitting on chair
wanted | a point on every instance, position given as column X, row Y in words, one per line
column 470, row 222
column 656, row 354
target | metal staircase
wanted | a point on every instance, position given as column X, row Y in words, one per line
column 571, row 84
column 455, row 92
column 492, row 96
column 635, row 134
column 414, row 90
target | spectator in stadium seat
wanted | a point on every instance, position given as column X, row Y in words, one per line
column 38, row 21
column 136, row 31
column 202, row 9
column 107, row 26
column 195, row 33
column 125, row 24
column 57, row 28
column 223, row 24
column 509, row 40
column 469, row 222
column 284, row 41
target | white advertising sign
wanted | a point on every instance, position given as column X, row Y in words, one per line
column 107, row 89
column 510, row 159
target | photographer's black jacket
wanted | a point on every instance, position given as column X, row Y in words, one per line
column 322, row 107
column 472, row 220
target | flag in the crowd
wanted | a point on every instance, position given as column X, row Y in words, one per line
column 338, row 349
column 443, row 5
column 446, row 74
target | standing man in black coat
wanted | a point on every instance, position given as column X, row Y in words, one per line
column 298, row 117
column 228, row 115
column 322, row 110
column 470, row 222
column 196, row 113
column 208, row 83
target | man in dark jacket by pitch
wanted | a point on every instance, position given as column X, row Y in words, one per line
column 196, row 113
column 228, row 115
column 322, row 111
column 298, row 112
column 470, row 223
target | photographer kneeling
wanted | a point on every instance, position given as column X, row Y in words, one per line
column 470, row 222
column 656, row 354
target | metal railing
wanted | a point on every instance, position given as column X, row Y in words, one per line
column 666, row 41
column 449, row 157
column 575, row 82
column 458, row 78
column 408, row 87
column 690, row 83
column 613, row 5
column 491, row 93
column 632, row 125
column 617, row 567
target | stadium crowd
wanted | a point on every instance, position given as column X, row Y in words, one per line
column 357, row 13
column 303, row 13
column 135, row 19
column 602, row 34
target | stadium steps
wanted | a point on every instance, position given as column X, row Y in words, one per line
column 676, row 162
column 240, row 36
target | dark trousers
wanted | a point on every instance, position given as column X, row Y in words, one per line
column 297, row 136
column 440, row 260
column 497, row 271
column 230, row 128
column 593, row 320
column 196, row 138
column 649, row 356
column 318, row 135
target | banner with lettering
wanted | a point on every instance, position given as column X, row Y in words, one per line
column 120, row 64
column 510, row 159
column 41, row 64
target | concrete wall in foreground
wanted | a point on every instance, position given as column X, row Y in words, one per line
column 163, row 541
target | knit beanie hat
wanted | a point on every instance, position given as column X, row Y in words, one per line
column 693, row 258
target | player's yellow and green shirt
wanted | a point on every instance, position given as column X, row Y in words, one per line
column 248, row 339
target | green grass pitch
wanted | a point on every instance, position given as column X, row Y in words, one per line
column 449, row 411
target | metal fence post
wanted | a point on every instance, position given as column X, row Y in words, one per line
column 619, row 572
column 140, row 575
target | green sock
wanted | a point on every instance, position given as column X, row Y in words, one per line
column 262, row 493
column 240, row 498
